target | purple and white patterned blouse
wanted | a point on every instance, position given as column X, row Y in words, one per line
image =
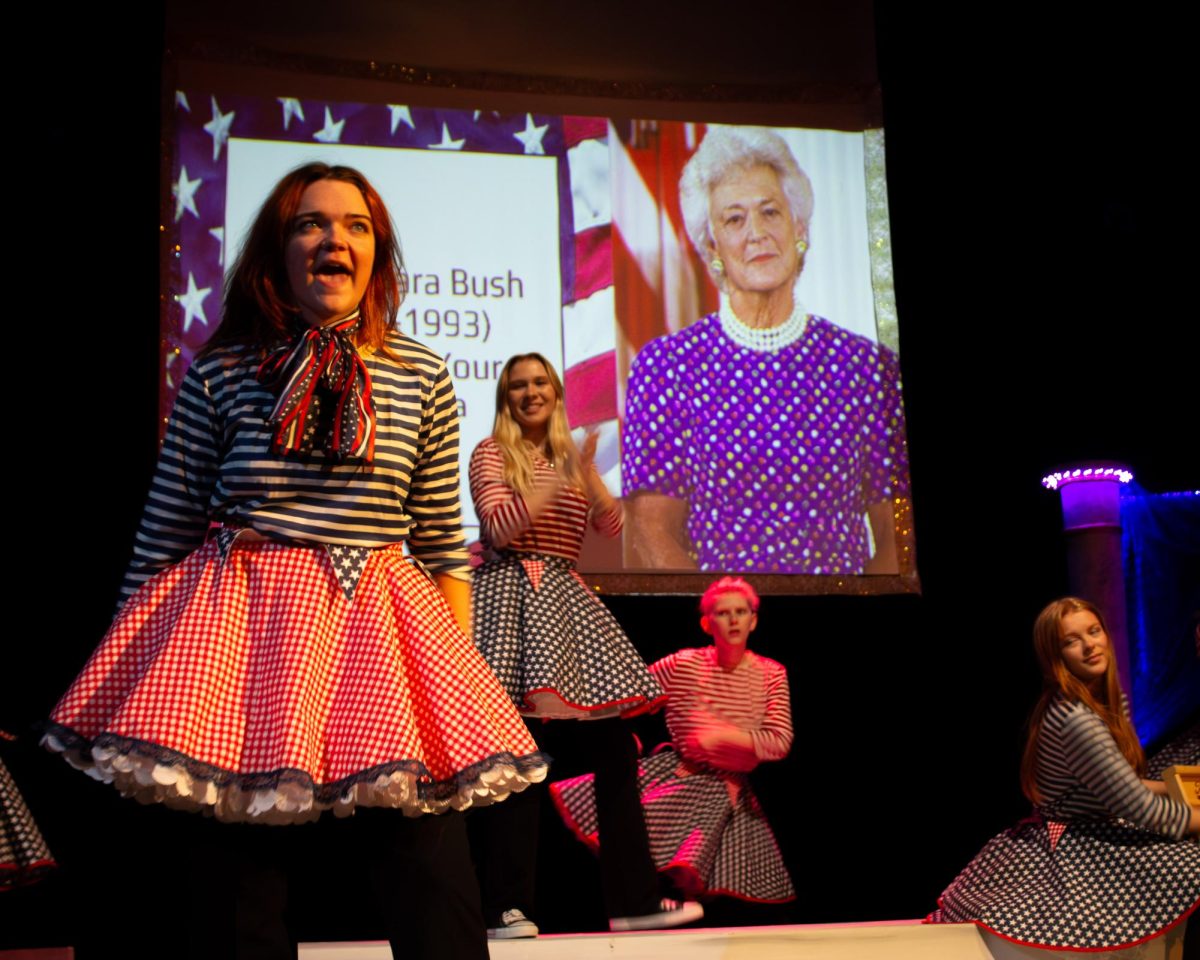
column 778, row 454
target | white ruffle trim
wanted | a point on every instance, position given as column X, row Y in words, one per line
column 149, row 781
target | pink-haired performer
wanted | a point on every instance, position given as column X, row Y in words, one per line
column 728, row 710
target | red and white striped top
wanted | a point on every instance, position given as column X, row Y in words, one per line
column 753, row 696
column 504, row 519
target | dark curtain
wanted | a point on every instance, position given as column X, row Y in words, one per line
column 1161, row 545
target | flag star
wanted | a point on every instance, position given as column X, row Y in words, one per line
column 172, row 356
column 184, row 191
column 401, row 112
column 193, row 303
column 218, row 128
column 447, row 143
column 182, row 101
column 218, row 234
column 291, row 108
column 531, row 136
column 475, row 115
column 331, row 132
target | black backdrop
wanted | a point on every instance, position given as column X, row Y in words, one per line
column 1043, row 216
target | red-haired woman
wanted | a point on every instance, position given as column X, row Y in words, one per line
column 727, row 710
column 558, row 651
column 277, row 653
column 1104, row 863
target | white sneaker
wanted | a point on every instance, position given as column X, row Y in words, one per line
column 514, row 925
column 671, row 913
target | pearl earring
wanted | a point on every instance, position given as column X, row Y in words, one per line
column 717, row 264
column 801, row 247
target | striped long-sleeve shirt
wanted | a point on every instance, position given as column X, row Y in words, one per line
column 504, row 519
column 216, row 464
column 754, row 697
column 1082, row 773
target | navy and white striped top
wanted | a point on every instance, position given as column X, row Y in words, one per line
column 216, row 464
column 1082, row 773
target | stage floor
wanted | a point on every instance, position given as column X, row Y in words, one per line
column 894, row 940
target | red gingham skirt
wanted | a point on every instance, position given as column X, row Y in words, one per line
column 252, row 688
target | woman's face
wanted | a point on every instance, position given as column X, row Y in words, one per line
column 331, row 251
column 531, row 396
column 753, row 230
column 1083, row 646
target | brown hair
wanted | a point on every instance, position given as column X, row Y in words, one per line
column 1057, row 680
column 259, row 304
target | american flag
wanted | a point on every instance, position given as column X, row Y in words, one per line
column 196, row 228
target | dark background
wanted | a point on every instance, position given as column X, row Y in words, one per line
column 1043, row 225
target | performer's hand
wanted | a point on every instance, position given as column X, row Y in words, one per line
column 724, row 746
column 597, row 492
column 587, row 451
column 545, row 490
column 458, row 597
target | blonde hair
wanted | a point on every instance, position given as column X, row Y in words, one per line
column 1057, row 680
column 517, row 452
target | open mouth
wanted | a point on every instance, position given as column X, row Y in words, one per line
column 332, row 269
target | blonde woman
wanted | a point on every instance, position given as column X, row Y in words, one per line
column 555, row 647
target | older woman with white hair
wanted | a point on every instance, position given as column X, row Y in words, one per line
column 761, row 438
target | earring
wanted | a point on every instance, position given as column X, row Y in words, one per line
column 801, row 247
column 717, row 264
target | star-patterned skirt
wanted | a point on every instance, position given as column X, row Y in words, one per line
column 250, row 684
column 553, row 645
column 1084, row 885
column 707, row 830
column 24, row 856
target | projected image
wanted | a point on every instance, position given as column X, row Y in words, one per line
column 775, row 448
column 758, row 435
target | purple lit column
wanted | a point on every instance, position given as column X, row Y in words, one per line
column 1091, row 512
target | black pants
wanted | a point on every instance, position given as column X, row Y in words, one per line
column 505, row 834
column 417, row 868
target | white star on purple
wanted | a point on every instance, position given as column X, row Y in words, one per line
column 218, row 128
column 291, row 108
column 331, row 132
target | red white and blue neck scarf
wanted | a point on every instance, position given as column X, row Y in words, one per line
column 321, row 365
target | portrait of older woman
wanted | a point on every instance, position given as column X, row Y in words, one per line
column 760, row 438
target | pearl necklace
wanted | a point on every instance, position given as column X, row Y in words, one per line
column 763, row 339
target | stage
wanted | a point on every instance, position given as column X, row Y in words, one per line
column 885, row 940
column 894, row 940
